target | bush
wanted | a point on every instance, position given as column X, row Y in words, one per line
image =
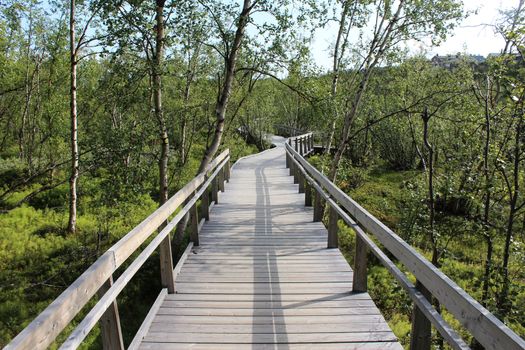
column 11, row 170
column 351, row 177
column 54, row 198
column 396, row 146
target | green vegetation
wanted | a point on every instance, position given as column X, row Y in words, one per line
column 109, row 107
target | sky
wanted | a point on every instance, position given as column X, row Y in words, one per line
column 475, row 35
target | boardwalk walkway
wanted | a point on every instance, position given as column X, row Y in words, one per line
column 262, row 277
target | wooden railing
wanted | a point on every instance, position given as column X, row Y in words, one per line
column 484, row 326
column 40, row 333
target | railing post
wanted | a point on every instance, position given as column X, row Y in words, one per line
column 287, row 160
column 205, row 205
column 307, row 193
column 227, row 170
column 166, row 265
column 296, row 145
column 215, row 190
column 296, row 174
column 221, row 180
column 110, row 322
column 318, row 207
column 311, row 142
column 301, row 179
column 194, row 228
column 306, row 144
column 333, row 229
column 360, row 269
column 292, row 166
column 303, row 148
column 421, row 333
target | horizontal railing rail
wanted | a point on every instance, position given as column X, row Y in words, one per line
column 483, row 326
column 302, row 144
column 44, row 329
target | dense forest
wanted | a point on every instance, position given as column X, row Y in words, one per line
column 109, row 107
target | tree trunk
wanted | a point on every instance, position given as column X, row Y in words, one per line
column 222, row 103
column 72, row 224
column 349, row 119
column 377, row 49
column 431, row 207
column 340, row 45
column 224, row 96
column 486, row 203
column 503, row 302
column 157, row 100
column 184, row 121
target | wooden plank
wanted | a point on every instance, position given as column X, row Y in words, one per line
column 270, row 338
column 269, row 328
column 300, row 320
column 315, row 346
column 314, row 312
column 267, row 304
column 299, row 298
column 262, row 288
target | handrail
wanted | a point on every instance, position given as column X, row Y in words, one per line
column 485, row 327
column 44, row 329
column 303, row 144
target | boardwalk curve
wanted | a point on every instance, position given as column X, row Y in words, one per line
column 262, row 277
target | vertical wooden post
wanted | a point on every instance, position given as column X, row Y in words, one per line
column 318, row 207
column 215, row 190
column 166, row 265
column 421, row 334
column 305, row 147
column 287, row 160
column 205, row 205
column 360, row 270
column 333, row 229
column 307, row 194
column 292, row 166
column 296, row 145
column 302, row 179
column 110, row 322
column 303, row 144
column 194, row 229
column 296, row 172
column 221, row 180
column 227, row 170
column 312, row 142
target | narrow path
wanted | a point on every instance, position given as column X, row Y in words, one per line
column 262, row 277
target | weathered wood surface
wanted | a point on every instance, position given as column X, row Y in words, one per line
column 262, row 277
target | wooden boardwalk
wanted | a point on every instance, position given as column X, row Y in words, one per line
column 262, row 277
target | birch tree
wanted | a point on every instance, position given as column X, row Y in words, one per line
column 393, row 22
